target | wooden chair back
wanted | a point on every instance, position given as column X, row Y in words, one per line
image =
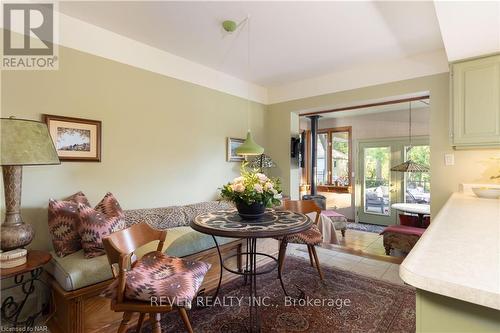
column 304, row 207
column 121, row 245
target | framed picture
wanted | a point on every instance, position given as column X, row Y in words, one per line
column 75, row 139
column 232, row 144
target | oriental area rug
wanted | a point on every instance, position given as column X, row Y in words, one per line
column 344, row 302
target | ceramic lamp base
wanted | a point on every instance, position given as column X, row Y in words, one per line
column 14, row 232
column 16, row 236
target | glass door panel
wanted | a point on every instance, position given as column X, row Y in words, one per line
column 378, row 190
column 417, row 185
column 377, row 180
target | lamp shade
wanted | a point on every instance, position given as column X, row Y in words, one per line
column 249, row 147
column 26, row 142
column 410, row 166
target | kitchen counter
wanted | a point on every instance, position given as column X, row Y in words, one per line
column 459, row 254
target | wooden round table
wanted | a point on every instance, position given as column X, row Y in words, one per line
column 274, row 223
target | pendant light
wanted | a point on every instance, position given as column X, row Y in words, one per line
column 409, row 165
column 249, row 147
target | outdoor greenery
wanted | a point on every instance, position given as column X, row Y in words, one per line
column 420, row 155
column 252, row 187
column 377, row 166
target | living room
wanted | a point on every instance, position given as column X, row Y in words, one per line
column 164, row 95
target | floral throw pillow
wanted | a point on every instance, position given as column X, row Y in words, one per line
column 63, row 223
column 96, row 223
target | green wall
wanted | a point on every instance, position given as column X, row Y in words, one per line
column 163, row 140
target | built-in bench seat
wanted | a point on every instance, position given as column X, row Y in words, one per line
column 75, row 271
column 78, row 282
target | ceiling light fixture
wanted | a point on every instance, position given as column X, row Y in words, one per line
column 249, row 147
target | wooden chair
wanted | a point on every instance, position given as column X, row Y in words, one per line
column 120, row 247
column 311, row 237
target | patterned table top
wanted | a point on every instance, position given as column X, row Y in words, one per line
column 273, row 223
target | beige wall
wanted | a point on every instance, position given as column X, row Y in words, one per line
column 470, row 165
column 163, row 140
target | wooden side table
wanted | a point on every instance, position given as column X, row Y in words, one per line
column 11, row 308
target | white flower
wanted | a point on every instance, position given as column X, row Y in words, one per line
column 262, row 177
column 238, row 187
column 274, row 191
column 277, row 196
column 268, row 186
column 238, row 180
column 258, row 188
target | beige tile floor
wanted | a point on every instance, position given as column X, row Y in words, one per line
column 364, row 266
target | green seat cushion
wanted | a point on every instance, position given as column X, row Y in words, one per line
column 193, row 242
column 182, row 242
column 74, row 271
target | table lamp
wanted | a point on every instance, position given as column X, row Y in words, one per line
column 23, row 142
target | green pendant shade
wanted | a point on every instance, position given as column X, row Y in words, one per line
column 249, row 147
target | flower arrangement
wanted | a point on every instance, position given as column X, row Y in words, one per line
column 252, row 189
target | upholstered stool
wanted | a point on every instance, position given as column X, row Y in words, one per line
column 401, row 237
column 339, row 220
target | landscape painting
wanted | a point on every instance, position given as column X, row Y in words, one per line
column 75, row 139
column 231, row 145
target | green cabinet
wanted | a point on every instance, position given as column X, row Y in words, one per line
column 475, row 105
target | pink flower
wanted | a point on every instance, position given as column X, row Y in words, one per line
column 238, row 187
column 258, row 188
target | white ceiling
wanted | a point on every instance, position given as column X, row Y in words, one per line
column 290, row 41
column 469, row 28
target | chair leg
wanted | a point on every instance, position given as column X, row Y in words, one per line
column 281, row 256
column 310, row 255
column 125, row 322
column 140, row 322
column 343, row 232
column 185, row 319
column 318, row 266
column 155, row 322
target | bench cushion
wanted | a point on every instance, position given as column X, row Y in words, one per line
column 405, row 230
column 74, row 271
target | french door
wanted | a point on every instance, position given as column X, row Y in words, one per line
column 380, row 187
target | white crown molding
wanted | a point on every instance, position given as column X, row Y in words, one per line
column 362, row 76
column 80, row 35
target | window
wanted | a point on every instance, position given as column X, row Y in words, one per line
column 340, row 158
column 333, row 159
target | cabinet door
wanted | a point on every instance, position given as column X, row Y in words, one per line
column 476, row 102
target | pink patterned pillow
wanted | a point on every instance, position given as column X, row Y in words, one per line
column 63, row 223
column 106, row 218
